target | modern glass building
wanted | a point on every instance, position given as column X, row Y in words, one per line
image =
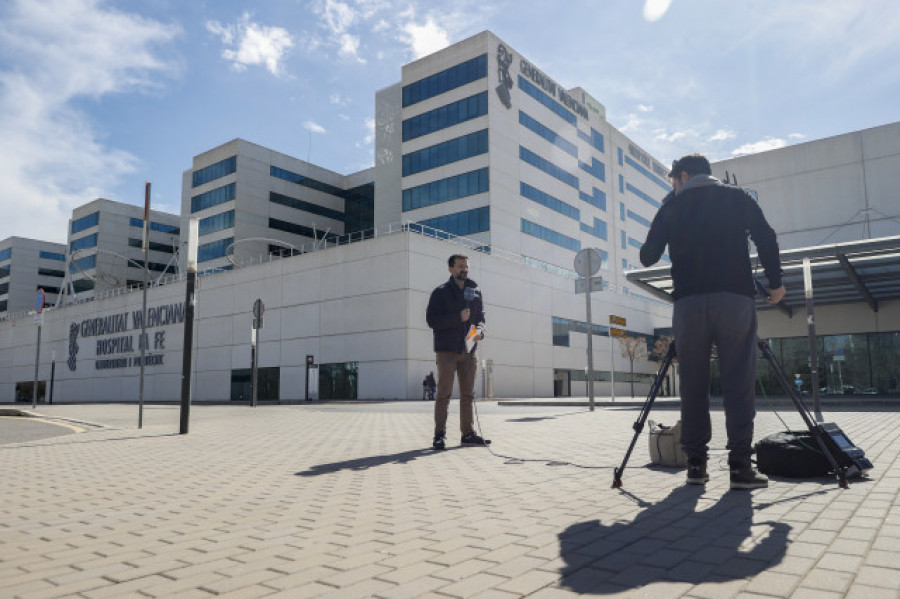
column 27, row 265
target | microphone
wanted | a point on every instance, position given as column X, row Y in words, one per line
column 469, row 296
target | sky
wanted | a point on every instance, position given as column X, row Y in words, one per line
column 98, row 97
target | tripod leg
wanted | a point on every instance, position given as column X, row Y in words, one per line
column 645, row 412
column 814, row 428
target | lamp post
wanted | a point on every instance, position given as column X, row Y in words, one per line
column 189, row 301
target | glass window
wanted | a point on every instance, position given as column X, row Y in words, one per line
column 4, row 271
column 53, row 256
column 290, row 202
column 621, row 210
column 446, row 152
column 621, row 156
column 621, row 184
column 445, row 116
column 550, row 236
column 288, row 227
column 267, row 379
column 642, row 195
column 4, row 288
column 339, row 380
column 595, row 168
column 598, row 230
column 596, row 199
column 213, row 250
column 444, row 81
column 82, row 285
column 214, row 171
column 88, row 241
column 648, row 174
column 445, row 190
column 154, row 226
column 217, row 222
column 86, row 263
column 624, row 240
column 545, row 199
column 558, row 109
column 548, row 167
column 459, row 223
column 5, row 254
column 638, row 218
column 85, row 222
column 548, row 134
column 49, row 272
column 214, row 197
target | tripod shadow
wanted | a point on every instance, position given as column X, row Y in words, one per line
column 371, row 461
column 671, row 541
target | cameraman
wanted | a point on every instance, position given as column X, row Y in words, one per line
column 705, row 224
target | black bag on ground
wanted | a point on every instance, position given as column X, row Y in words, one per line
column 792, row 454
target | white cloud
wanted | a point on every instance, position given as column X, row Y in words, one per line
column 424, row 39
column 769, row 143
column 644, row 108
column 338, row 100
column 313, row 127
column 632, row 124
column 337, row 19
column 52, row 158
column 348, row 47
column 256, row 44
column 797, row 136
column 670, row 137
column 722, row 135
column 654, row 10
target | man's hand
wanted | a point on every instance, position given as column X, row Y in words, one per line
column 776, row 295
column 465, row 314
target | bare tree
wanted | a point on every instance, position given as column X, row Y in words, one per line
column 660, row 349
column 632, row 348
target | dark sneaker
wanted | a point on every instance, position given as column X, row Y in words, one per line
column 696, row 472
column 743, row 476
column 440, row 441
column 473, row 439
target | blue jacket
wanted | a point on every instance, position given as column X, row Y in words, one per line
column 442, row 315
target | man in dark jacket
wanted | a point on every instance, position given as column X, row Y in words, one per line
column 705, row 224
column 453, row 309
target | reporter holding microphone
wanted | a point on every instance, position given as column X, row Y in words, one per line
column 453, row 309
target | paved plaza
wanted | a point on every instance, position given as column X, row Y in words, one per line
column 348, row 500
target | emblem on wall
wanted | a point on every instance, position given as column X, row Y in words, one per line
column 504, row 59
column 73, row 346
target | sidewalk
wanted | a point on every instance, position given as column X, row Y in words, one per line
column 326, row 500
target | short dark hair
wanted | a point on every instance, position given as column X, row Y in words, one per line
column 451, row 261
column 692, row 164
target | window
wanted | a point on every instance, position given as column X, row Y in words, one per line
column 85, row 222
column 339, row 380
column 3, row 305
column 214, row 171
column 444, row 81
column 281, row 173
column 445, row 190
column 549, row 201
column 4, row 271
column 86, row 263
column 597, row 198
column 595, row 168
column 288, row 227
column 156, row 247
column 548, row 134
column 638, row 218
column 648, row 174
column 290, row 202
column 468, row 222
column 445, row 116
column 213, row 197
column 154, row 226
column 635, row 243
column 621, row 156
column 213, row 250
column 642, row 195
column 563, row 326
column 550, row 236
column 624, row 239
column 82, row 285
column 558, row 109
column 47, row 272
column 621, row 184
column 53, row 256
column 218, row 222
column 5, row 254
column 598, row 230
column 267, row 380
column 548, row 167
column 595, row 138
column 84, row 242
column 621, row 210
column 447, row 152
column 4, row 288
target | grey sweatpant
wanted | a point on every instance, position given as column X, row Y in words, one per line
column 729, row 320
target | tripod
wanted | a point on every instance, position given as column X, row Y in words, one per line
column 823, row 439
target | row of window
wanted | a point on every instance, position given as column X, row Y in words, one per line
column 290, row 202
column 445, row 116
column 549, row 134
column 598, row 230
column 562, row 327
column 550, row 236
column 83, row 243
column 167, row 248
column 214, row 171
column 154, row 266
column 289, row 227
column 446, row 152
column 305, row 181
column 548, row 167
column 213, row 197
column 217, row 222
column 4, row 288
column 85, row 222
column 4, row 271
column 595, row 168
column 551, row 202
column 558, row 109
column 638, row 167
column 52, row 256
column 49, row 272
column 155, row 226
column 86, row 263
column 445, row 190
column 444, row 81
column 5, row 254
column 642, row 195
column 637, row 218
column 213, row 250
column 595, row 139
column 597, row 198
column 467, row 222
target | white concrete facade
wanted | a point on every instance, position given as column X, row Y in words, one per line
column 26, row 265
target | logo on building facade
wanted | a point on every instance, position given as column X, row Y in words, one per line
column 504, row 59
column 73, row 346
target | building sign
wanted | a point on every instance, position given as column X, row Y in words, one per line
column 504, row 59
column 644, row 158
column 552, row 88
column 116, row 342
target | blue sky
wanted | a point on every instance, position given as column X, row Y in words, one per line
column 97, row 96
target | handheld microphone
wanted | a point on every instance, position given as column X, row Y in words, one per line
column 469, row 296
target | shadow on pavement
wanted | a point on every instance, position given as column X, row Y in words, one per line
column 672, row 541
column 371, row 462
column 67, row 442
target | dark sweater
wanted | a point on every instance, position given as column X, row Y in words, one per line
column 443, row 315
column 705, row 226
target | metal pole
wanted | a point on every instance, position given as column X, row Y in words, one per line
column 52, row 375
column 143, row 340
column 253, row 385
column 37, row 359
column 189, row 301
column 612, row 367
column 590, row 334
column 811, row 322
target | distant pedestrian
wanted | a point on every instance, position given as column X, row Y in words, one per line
column 425, row 388
column 430, row 385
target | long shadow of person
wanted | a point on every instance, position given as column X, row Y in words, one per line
column 367, row 462
column 671, row 541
